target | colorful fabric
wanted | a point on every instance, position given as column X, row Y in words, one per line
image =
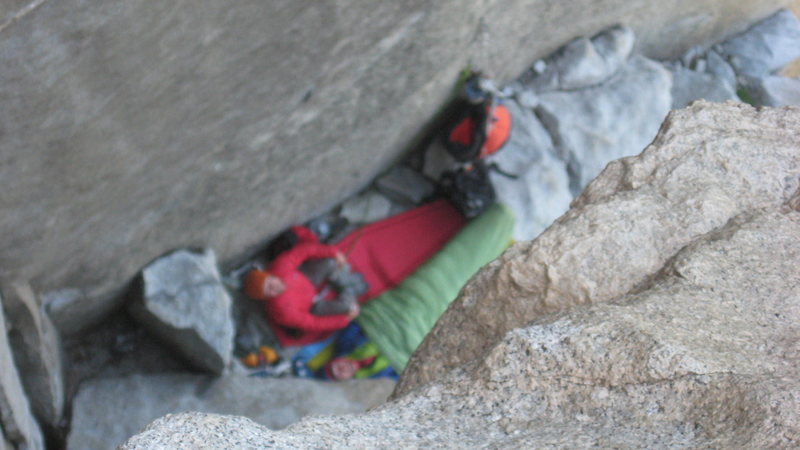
column 313, row 361
column 384, row 252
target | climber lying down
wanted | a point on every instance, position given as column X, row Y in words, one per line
column 307, row 290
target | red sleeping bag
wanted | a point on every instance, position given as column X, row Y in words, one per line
column 388, row 251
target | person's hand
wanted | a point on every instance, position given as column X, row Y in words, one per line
column 341, row 259
column 355, row 310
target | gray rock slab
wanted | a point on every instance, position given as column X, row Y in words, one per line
column 366, row 207
column 18, row 424
column 591, row 127
column 404, row 184
column 773, row 90
column 540, row 192
column 766, row 47
column 184, row 302
column 437, row 160
column 710, row 163
column 586, row 62
column 690, row 85
column 161, row 125
column 67, row 307
column 37, row 352
column 108, row 411
column 717, row 65
column 701, row 353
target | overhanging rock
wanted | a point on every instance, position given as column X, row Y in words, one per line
column 132, row 127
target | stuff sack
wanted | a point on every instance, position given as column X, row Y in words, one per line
column 468, row 188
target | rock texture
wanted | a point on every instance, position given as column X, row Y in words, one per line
column 540, row 192
column 219, row 124
column 690, row 85
column 37, row 353
column 586, row 62
column 18, row 424
column 184, row 302
column 684, row 259
column 709, row 164
column 773, row 90
column 766, row 47
column 593, row 126
column 275, row 403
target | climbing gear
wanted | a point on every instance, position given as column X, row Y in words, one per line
column 483, row 128
column 468, row 188
column 264, row 356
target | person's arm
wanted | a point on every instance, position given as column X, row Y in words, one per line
column 291, row 259
column 289, row 312
column 342, row 304
column 304, row 234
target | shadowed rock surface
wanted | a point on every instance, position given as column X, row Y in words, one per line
column 19, row 426
column 183, row 301
column 275, row 403
column 661, row 310
column 37, row 353
column 130, row 128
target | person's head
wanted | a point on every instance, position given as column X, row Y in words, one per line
column 261, row 284
column 273, row 286
column 342, row 368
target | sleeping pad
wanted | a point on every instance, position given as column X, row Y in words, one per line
column 398, row 320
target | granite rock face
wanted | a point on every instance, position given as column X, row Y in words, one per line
column 219, row 124
column 274, row 403
column 709, row 164
column 593, row 126
column 773, row 90
column 686, row 337
column 184, row 302
column 586, row 62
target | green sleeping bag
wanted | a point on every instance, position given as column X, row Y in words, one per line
column 398, row 320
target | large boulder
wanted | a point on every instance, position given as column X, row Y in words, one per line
column 131, row 127
column 586, row 62
column 766, row 47
column 684, row 259
column 134, row 401
column 181, row 299
column 595, row 125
